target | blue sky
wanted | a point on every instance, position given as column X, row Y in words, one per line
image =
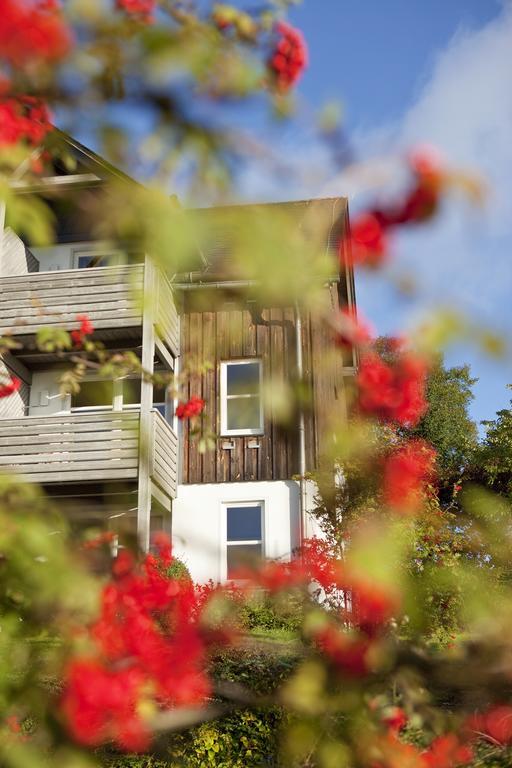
column 408, row 72
column 436, row 71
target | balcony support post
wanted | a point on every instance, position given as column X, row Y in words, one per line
column 146, row 405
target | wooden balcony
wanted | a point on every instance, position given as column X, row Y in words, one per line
column 112, row 297
column 88, row 447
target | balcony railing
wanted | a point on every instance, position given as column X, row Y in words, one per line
column 112, row 297
column 87, row 447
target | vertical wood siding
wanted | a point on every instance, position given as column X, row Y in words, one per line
column 228, row 333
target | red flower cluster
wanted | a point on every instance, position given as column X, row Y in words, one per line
column 348, row 652
column 368, row 241
column 289, row 57
column 372, row 605
column 447, row 752
column 23, row 118
column 149, row 653
column 32, row 32
column 406, row 471
column 444, row 752
column 496, row 723
column 10, row 388
column 192, row 407
column 395, row 719
column 85, row 329
column 393, row 392
column 141, row 10
column 352, row 331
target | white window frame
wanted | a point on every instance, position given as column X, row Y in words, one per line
column 224, row 536
column 224, row 431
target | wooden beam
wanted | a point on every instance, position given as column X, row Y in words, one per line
column 161, row 497
column 164, row 355
column 18, row 368
column 146, row 405
column 56, row 182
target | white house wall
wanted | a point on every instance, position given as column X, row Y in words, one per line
column 64, row 256
column 44, row 394
column 198, row 522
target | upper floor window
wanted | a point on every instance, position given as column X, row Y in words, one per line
column 241, row 407
column 90, row 259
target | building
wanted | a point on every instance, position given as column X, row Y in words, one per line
column 114, row 455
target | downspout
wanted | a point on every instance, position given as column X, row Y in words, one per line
column 302, row 430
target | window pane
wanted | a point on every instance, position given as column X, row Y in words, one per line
column 159, row 393
column 243, row 378
column 131, row 391
column 241, row 555
column 244, row 523
column 105, row 260
column 93, row 393
column 243, row 413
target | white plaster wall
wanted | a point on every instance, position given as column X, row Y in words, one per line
column 198, row 525
column 64, row 256
column 54, row 257
column 44, row 394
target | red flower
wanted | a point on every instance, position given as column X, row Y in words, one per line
column 457, row 488
column 23, row 118
column 31, row 33
column 289, row 57
column 347, row 653
column 368, row 241
column 395, row 719
column 86, row 328
column 495, row 723
column 101, row 705
column 447, row 752
column 141, row 10
column 192, row 407
column 393, row 392
column 150, row 652
column 405, row 473
column 373, row 605
column 10, row 388
column 353, row 332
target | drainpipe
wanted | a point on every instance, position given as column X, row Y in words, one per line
column 302, row 430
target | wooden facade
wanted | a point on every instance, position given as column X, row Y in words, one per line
column 234, row 331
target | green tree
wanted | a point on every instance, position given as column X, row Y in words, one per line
column 447, row 424
column 493, row 461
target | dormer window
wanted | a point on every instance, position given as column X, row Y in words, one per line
column 241, row 404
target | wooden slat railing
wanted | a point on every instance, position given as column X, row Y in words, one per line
column 167, row 321
column 71, row 448
column 164, row 458
column 110, row 296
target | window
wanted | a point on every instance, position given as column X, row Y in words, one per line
column 244, row 535
column 91, row 259
column 241, row 406
column 161, row 401
column 92, row 395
